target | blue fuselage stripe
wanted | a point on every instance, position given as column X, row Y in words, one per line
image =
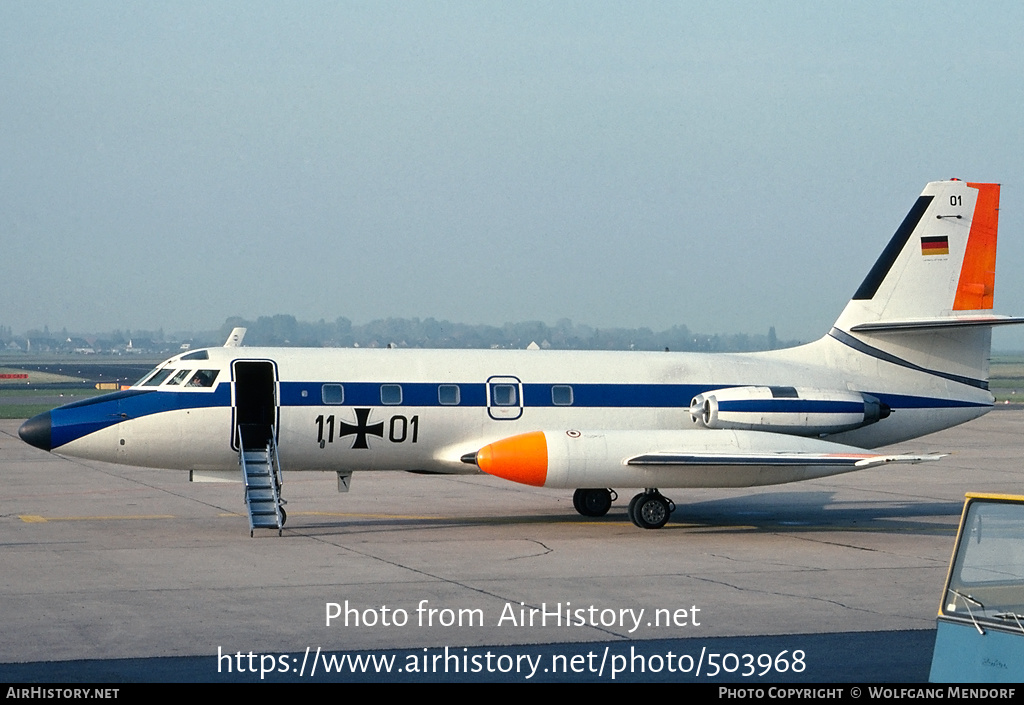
column 475, row 394
column 82, row 418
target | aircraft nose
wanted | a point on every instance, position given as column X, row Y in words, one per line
column 36, row 431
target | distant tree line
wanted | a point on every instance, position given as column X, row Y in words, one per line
column 286, row 330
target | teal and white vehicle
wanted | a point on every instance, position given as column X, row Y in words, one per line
column 980, row 636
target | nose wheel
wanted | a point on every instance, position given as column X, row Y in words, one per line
column 650, row 509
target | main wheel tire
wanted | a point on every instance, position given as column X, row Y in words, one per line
column 651, row 511
column 592, row 502
column 632, row 508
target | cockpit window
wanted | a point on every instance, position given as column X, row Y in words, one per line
column 178, row 378
column 197, row 355
column 203, row 378
column 159, row 377
column 146, row 376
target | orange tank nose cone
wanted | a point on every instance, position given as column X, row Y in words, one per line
column 521, row 459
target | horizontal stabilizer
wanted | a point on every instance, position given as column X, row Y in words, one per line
column 937, row 323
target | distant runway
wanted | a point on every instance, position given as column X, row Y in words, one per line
column 106, row 565
column 93, row 369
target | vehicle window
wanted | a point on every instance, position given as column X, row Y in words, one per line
column 159, row 377
column 203, row 378
column 333, row 394
column 504, row 395
column 987, row 579
column 561, row 395
column 178, row 378
column 391, row 394
column 448, row 394
column 198, row 355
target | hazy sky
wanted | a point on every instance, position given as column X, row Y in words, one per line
column 727, row 166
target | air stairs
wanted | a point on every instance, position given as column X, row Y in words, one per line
column 261, row 475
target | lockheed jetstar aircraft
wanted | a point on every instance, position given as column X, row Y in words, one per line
column 908, row 356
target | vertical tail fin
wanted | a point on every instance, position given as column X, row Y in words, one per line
column 940, row 262
column 926, row 303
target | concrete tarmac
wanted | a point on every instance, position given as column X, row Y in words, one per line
column 106, row 562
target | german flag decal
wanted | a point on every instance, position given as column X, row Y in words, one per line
column 935, row 245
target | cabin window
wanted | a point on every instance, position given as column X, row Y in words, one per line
column 333, row 394
column 178, row 378
column 159, row 377
column 448, row 394
column 391, row 394
column 561, row 395
column 504, row 395
column 203, row 378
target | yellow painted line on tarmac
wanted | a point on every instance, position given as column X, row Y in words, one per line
column 776, row 527
column 369, row 516
column 34, row 519
column 488, row 519
column 348, row 515
column 824, row 528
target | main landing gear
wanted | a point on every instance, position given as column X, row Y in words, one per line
column 648, row 510
column 593, row 502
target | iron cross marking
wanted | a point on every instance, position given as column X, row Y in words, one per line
column 361, row 428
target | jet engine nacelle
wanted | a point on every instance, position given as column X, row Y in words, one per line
column 791, row 410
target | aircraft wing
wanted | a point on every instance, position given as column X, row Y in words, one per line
column 684, row 458
column 840, row 460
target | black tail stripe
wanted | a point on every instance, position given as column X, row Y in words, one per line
column 892, row 250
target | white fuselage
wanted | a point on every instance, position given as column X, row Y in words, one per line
column 407, row 423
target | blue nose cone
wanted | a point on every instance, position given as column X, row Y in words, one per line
column 37, row 431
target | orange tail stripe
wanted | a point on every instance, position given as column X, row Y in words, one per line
column 978, row 273
column 521, row 459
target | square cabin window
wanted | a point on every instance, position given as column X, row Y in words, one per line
column 448, row 394
column 504, row 395
column 391, row 394
column 333, row 394
column 561, row 395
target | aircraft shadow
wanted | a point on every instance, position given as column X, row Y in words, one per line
column 789, row 512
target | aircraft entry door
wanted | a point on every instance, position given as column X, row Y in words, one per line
column 504, row 398
column 255, row 407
